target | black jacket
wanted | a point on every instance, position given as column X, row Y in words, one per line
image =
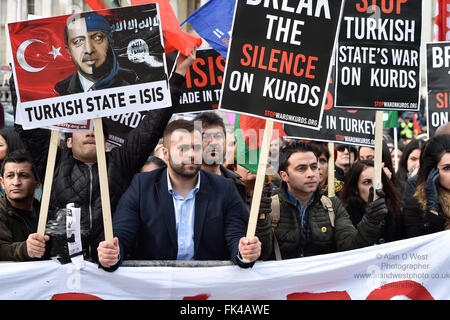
column 77, row 182
column 390, row 231
column 146, row 214
column 14, row 232
column 418, row 222
column 323, row 238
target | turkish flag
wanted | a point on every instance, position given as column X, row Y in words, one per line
column 40, row 56
column 174, row 37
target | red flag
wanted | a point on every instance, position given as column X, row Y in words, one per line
column 248, row 133
column 40, row 56
column 416, row 125
column 442, row 27
column 174, row 37
column 247, row 123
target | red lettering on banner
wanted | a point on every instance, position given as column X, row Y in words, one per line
column 202, row 296
column 330, row 98
column 330, row 295
column 443, row 99
column 387, row 6
column 199, row 78
column 198, row 71
column 212, row 77
column 74, row 296
column 220, row 63
column 298, row 64
column 408, row 288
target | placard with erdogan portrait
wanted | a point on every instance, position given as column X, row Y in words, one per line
column 89, row 65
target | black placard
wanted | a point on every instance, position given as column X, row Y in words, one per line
column 279, row 59
column 438, row 85
column 356, row 127
column 378, row 55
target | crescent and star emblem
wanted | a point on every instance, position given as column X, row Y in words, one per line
column 21, row 55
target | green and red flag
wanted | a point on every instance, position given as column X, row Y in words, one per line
column 248, row 133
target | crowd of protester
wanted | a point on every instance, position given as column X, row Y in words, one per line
column 173, row 195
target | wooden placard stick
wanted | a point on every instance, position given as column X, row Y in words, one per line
column 103, row 179
column 331, row 189
column 260, row 177
column 48, row 181
column 378, row 151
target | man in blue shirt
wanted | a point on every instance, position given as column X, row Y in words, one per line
column 180, row 212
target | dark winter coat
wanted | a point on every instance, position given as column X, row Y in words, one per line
column 323, row 237
column 14, row 232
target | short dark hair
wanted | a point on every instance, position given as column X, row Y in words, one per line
column 155, row 160
column 209, row 119
column 177, row 125
column 19, row 156
column 286, row 152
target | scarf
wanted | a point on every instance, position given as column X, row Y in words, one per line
column 444, row 200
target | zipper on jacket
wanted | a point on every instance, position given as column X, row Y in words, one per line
column 90, row 204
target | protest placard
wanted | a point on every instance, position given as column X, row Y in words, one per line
column 277, row 67
column 126, row 69
column 201, row 92
column 438, row 85
column 378, row 55
column 356, row 127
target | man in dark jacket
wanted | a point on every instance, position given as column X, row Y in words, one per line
column 19, row 210
column 305, row 227
column 76, row 172
column 180, row 212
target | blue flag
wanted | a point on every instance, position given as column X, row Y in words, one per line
column 213, row 22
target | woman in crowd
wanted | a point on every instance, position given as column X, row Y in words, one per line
column 357, row 195
column 323, row 155
column 9, row 141
column 428, row 210
column 409, row 162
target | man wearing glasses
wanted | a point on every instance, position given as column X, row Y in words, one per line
column 214, row 148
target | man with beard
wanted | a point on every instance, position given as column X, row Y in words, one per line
column 214, row 148
column 89, row 43
column 307, row 224
column 180, row 212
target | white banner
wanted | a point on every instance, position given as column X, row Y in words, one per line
column 95, row 104
column 416, row 268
